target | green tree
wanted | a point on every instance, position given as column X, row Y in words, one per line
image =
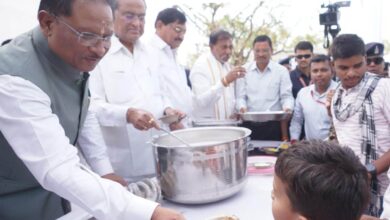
column 244, row 25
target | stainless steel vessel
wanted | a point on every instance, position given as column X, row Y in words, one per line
column 214, row 122
column 214, row 167
column 264, row 116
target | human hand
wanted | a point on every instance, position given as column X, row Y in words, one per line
column 171, row 111
column 235, row 73
column 287, row 110
column 161, row 213
column 176, row 126
column 367, row 217
column 328, row 101
column 243, row 110
column 141, row 119
column 115, row 178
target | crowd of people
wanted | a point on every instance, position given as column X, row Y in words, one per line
column 68, row 137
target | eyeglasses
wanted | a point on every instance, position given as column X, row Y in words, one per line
column 178, row 29
column 86, row 38
column 132, row 16
column 376, row 60
column 306, row 56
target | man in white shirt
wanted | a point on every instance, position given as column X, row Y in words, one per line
column 361, row 110
column 170, row 30
column 43, row 81
column 265, row 87
column 212, row 79
column 310, row 109
column 127, row 96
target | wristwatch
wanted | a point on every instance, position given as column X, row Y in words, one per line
column 371, row 169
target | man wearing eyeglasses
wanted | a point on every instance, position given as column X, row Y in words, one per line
column 170, row 27
column 127, row 98
column 374, row 58
column 300, row 76
column 44, row 116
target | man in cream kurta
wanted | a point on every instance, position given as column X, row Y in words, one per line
column 212, row 79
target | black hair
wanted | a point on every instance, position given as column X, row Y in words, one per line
column 324, row 180
column 320, row 58
column 115, row 4
column 170, row 15
column 263, row 38
column 64, row 7
column 217, row 35
column 304, row 45
column 346, row 46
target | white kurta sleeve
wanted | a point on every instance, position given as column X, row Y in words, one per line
column 205, row 90
column 37, row 138
column 108, row 114
column 92, row 145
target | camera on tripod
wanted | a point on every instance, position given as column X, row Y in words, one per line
column 330, row 19
column 332, row 15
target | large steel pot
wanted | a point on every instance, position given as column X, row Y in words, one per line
column 214, row 167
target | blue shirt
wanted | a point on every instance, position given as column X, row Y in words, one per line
column 310, row 109
column 269, row 90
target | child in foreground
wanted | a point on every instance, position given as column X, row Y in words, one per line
column 317, row 180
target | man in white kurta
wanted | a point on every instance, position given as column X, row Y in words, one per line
column 127, row 96
column 170, row 30
column 212, row 79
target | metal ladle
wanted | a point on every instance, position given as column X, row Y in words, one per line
column 175, row 136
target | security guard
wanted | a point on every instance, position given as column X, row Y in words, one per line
column 374, row 58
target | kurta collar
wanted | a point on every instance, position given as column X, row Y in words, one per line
column 118, row 47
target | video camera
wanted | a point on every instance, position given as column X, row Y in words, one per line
column 330, row 19
column 332, row 15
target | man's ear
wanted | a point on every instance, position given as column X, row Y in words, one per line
column 159, row 24
column 46, row 21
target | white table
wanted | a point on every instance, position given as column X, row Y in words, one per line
column 252, row 202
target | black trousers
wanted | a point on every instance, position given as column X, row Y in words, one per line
column 269, row 131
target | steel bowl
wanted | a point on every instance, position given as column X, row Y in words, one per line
column 213, row 168
column 264, row 116
column 215, row 122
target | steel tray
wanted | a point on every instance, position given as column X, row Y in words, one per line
column 264, row 116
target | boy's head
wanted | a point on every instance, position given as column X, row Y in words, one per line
column 317, row 180
column 349, row 59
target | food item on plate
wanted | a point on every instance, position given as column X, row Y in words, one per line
column 261, row 165
column 226, row 217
